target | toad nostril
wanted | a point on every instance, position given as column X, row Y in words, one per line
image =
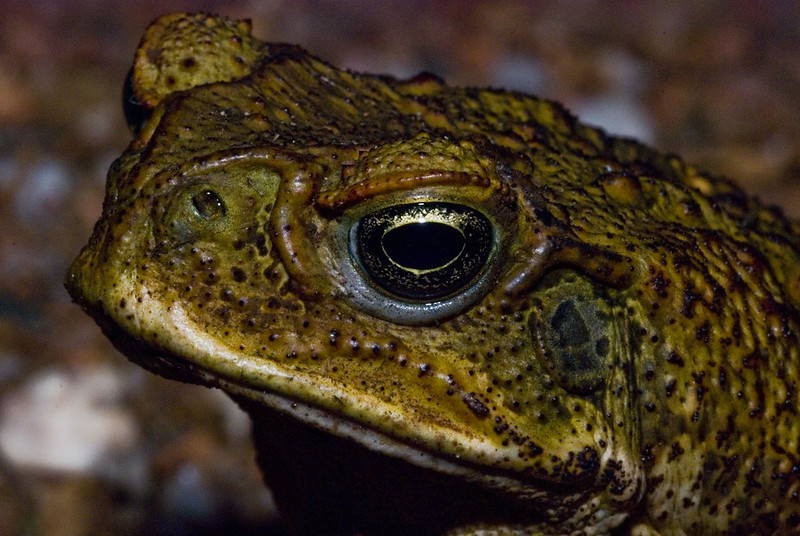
column 208, row 205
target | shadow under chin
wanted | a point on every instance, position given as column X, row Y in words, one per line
column 327, row 485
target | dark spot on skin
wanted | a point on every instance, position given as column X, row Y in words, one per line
column 675, row 359
column 702, row 332
column 690, row 296
column 647, row 455
column 675, row 452
column 793, row 520
column 500, row 428
column 755, row 359
column 670, row 387
column 588, row 460
column 534, row 449
column 238, row 274
column 660, row 285
column 476, row 406
column 544, row 216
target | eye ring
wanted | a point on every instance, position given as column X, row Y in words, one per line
column 424, row 251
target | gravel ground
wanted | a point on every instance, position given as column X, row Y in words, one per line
column 90, row 444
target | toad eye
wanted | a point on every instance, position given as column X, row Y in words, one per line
column 422, row 252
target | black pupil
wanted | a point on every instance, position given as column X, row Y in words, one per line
column 423, row 245
column 423, row 251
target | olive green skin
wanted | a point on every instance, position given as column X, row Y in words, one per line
column 625, row 363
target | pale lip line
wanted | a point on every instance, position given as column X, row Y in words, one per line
column 470, row 460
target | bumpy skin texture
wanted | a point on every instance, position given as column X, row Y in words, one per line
column 615, row 349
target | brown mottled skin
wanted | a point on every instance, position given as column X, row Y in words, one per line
column 615, row 350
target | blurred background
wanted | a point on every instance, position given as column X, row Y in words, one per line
column 91, row 444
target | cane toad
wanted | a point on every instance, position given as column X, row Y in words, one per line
column 449, row 310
